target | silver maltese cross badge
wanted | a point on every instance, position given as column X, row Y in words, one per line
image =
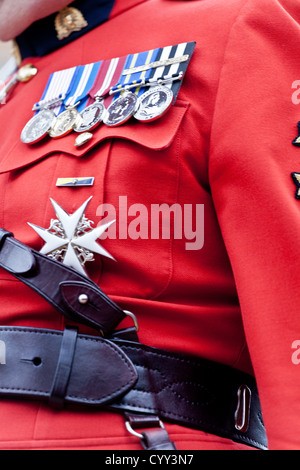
column 71, row 239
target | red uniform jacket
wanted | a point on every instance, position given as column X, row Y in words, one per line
column 225, row 145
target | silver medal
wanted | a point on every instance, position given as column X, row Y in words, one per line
column 91, row 117
column 154, row 103
column 38, row 126
column 65, row 123
column 121, row 109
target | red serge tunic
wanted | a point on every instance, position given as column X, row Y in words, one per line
column 226, row 146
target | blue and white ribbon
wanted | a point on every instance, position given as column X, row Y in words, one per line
column 57, row 89
column 81, row 86
column 68, row 87
column 132, row 61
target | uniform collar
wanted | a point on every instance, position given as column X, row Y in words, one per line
column 41, row 37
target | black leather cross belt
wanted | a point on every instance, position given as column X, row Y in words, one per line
column 68, row 368
column 72, row 294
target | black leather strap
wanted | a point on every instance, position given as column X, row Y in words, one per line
column 14, row 256
column 192, row 392
column 72, row 294
column 64, row 368
column 97, row 370
column 157, row 439
column 3, row 235
column 153, row 434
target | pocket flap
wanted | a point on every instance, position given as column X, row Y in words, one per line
column 156, row 135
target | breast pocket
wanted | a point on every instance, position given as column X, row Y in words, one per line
column 135, row 170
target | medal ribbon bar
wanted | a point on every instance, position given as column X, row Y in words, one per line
column 158, row 63
column 82, row 84
column 108, row 74
column 139, row 60
column 58, row 87
column 103, row 83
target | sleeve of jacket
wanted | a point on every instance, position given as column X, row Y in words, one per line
column 252, row 159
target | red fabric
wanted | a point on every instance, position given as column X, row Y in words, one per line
column 226, row 144
column 250, row 174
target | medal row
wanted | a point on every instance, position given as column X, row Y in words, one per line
column 150, row 106
column 108, row 92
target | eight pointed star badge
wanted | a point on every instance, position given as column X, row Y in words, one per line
column 71, row 238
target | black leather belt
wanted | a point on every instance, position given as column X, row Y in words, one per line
column 145, row 382
column 130, row 377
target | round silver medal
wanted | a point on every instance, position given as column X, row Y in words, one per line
column 91, row 117
column 65, row 123
column 121, row 109
column 38, row 126
column 154, row 103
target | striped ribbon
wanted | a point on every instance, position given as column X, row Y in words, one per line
column 185, row 48
column 85, row 83
column 153, row 74
column 132, row 61
column 58, row 86
column 71, row 85
column 84, row 80
column 169, row 70
column 108, row 74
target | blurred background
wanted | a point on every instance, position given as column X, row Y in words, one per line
column 5, row 52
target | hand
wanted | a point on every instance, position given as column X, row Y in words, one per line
column 18, row 15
